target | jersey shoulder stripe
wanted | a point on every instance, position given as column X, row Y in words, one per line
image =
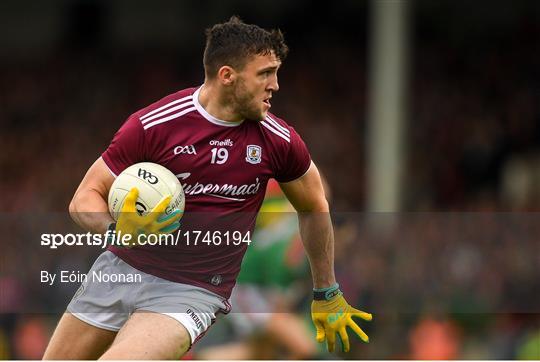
column 190, row 107
column 168, row 108
column 166, row 112
column 276, row 131
column 152, row 114
column 277, row 125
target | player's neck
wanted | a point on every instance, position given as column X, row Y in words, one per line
column 216, row 104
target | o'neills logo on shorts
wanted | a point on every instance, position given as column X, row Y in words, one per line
column 195, row 318
column 224, row 191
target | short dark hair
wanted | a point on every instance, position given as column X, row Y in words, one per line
column 234, row 42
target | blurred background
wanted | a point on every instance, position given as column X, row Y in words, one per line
column 424, row 117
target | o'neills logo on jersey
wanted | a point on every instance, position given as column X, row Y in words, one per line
column 226, row 142
column 223, row 191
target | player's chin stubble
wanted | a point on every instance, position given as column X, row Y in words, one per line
column 255, row 115
column 246, row 104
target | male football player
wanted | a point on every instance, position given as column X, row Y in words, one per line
column 223, row 145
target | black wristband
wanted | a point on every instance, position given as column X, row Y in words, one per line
column 326, row 293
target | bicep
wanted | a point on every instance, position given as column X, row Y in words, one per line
column 306, row 193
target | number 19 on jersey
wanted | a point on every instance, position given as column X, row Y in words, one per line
column 219, row 155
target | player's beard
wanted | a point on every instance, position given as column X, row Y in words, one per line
column 246, row 104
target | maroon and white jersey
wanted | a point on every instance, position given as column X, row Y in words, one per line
column 224, row 168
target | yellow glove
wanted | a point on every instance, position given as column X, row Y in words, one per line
column 130, row 222
column 334, row 316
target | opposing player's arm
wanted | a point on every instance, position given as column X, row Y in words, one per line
column 307, row 196
column 88, row 208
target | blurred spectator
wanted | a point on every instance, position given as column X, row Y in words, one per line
column 30, row 338
column 434, row 339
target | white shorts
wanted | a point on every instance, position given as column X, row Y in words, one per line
column 113, row 290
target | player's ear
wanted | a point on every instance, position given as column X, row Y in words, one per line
column 226, row 75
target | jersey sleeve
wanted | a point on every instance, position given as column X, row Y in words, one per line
column 295, row 160
column 127, row 146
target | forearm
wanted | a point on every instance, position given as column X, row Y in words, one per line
column 90, row 211
column 330, row 311
column 318, row 238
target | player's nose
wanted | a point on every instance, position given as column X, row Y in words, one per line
column 273, row 85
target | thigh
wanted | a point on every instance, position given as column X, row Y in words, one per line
column 101, row 302
column 148, row 335
column 75, row 339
